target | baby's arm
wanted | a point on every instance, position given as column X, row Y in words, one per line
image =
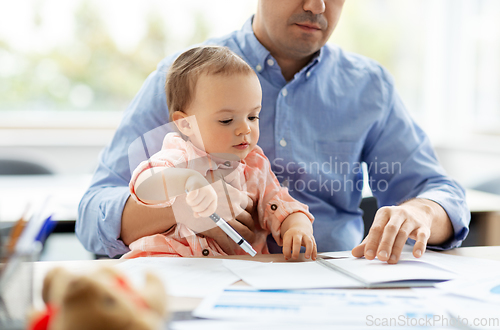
column 201, row 195
column 297, row 231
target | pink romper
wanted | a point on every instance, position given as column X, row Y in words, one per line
column 253, row 175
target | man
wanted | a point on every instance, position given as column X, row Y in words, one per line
column 324, row 111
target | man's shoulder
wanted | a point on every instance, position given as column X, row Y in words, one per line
column 353, row 63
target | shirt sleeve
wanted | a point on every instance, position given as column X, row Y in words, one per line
column 402, row 165
column 175, row 156
column 274, row 203
column 98, row 224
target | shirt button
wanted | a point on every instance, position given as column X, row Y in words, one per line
column 205, row 252
column 270, row 62
column 258, row 68
column 228, row 163
column 284, row 92
column 308, row 74
column 274, row 207
column 283, row 142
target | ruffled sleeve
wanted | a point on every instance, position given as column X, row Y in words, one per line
column 174, row 153
column 274, row 203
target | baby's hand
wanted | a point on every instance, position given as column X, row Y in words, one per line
column 203, row 201
column 298, row 233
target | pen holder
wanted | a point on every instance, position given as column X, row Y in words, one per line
column 16, row 287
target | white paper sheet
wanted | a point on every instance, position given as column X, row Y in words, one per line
column 183, row 277
column 240, row 325
column 336, row 254
column 260, row 325
column 482, row 288
column 288, row 275
column 333, row 307
column 466, row 313
column 362, row 273
column 373, row 272
column 465, row 266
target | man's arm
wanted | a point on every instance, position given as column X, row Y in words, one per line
column 431, row 207
column 98, row 225
column 159, row 220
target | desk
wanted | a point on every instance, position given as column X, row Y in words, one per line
column 182, row 304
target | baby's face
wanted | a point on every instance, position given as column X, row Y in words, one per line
column 226, row 109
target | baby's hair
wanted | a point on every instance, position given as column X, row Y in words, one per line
column 184, row 72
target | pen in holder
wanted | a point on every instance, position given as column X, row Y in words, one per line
column 17, row 254
column 16, row 286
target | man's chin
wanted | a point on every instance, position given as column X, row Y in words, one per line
column 300, row 48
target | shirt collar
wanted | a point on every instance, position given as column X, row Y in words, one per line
column 253, row 50
column 202, row 161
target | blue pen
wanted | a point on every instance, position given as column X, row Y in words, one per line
column 45, row 230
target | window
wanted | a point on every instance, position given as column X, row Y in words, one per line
column 444, row 55
column 82, row 58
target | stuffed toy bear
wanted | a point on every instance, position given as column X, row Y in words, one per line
column 103, row 299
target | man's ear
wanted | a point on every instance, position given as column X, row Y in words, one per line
column 182, row 122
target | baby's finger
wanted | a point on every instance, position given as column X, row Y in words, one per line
column 315, row 250
column 191, row 197
column 297, row 243
column 308, row 243
column 287, row 244
column 211, row 208
column 203, row 204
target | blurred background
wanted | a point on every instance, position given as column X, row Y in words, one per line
column 68, row 69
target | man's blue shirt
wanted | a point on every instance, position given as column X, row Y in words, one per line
column 339, row 111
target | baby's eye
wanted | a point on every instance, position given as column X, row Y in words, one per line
column 225, row 122
column 253, row 118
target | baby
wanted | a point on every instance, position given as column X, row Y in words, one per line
column 214, row 99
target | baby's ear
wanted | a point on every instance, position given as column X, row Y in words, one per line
column 184, row 122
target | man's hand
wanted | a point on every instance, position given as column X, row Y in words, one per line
column 420, row 219
column 244, row 224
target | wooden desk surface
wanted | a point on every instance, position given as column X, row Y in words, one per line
column 187, row 304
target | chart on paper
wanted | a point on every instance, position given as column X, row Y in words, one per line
column 337, row 306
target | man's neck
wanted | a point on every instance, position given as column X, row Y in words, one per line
column 289, row 66
column 289, row 63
